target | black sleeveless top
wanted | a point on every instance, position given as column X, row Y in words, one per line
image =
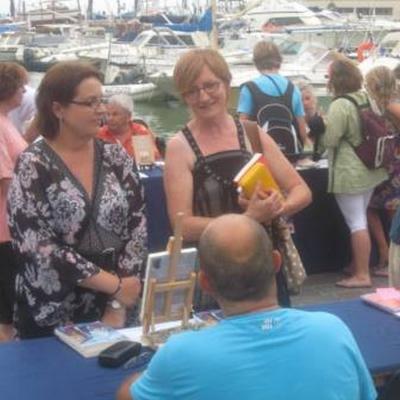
column 214, row 193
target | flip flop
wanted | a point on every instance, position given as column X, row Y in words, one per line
column 381, row 272
column 352, row 285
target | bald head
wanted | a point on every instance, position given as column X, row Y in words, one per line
column 236, row 255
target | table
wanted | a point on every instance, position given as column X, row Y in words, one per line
column 321, row 234
column 44, row 369
column 377, row 333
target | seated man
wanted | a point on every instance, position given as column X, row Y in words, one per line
column 120, row 128
column 259, row 351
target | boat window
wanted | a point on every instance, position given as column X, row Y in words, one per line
column 155, row 41
column 282, row 21
column 187, row 39
column 289, row 47
column 140, row 39
column 172, row 40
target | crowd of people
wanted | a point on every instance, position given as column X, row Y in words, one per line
column 73, row 239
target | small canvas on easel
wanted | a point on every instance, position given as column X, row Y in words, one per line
column 169, row 286
column 157, row 268
column 143, row 150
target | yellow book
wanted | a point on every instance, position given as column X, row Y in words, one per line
column 255, row 171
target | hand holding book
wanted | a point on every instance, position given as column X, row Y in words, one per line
column 263, row 206
column 259, row 194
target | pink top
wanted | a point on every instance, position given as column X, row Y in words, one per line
column 11, row 145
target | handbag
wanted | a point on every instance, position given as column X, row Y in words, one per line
column 292, row 266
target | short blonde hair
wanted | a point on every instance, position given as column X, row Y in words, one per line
column 380, row 83
column 191, row 63
column 266, row 55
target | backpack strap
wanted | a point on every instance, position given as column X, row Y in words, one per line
column 253, row 134
column 275, row 84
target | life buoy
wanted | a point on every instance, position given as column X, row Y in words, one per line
column 364, row 50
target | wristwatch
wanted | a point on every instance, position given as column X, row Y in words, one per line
column 115, row 304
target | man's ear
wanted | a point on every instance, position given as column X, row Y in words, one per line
column 204, row 282
column 276, row 260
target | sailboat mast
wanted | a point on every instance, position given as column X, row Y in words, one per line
column 214, row 31
column 12, row 9
column 89, row 10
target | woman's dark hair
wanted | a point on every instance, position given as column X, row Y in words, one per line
column 12, row 77
column 59, row 85
column 344, row 76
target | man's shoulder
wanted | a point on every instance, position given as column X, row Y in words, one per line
column 318, row 320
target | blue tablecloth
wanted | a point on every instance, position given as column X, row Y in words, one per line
column 377, row 333
column 158, row 225
column 47, row 369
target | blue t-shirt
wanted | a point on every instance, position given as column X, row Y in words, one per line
column 245, row 104
column 284, row 354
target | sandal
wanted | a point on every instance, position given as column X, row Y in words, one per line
column 381, row 272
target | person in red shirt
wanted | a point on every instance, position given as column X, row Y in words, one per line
column 120, row 128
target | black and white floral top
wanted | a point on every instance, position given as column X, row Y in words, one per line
column 61, row 234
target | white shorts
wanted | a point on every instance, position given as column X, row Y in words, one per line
column 354, row 209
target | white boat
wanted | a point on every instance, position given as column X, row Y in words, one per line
column 387, row 54
column 12, row 45
column 152, row 45
column 141, row 92
column 275, row 15
column 333, row 30
column 53, row 12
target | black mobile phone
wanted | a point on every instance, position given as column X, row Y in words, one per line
column 118, row 353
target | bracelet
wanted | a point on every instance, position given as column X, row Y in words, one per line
column 119, row 287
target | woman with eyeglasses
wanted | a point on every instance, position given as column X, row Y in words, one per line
column 202, row 159
column 76, row 212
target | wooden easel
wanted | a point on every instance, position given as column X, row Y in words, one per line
column 174, row 249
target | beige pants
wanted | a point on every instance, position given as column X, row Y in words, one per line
column 394, row 265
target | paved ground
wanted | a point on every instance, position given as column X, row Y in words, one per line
column 320, row 288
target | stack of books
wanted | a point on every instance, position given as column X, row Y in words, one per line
column 386, row 299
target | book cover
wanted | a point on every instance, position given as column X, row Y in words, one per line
column 143, row 149
column 157, row 267
column 255, row 170
column 90, row 338
column 387, row 299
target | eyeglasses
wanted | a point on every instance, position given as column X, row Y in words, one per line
column 93, row 103
column 210, row 88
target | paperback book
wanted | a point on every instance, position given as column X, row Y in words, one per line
column 387, row 299
column 90, row 338
column 253, row 172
